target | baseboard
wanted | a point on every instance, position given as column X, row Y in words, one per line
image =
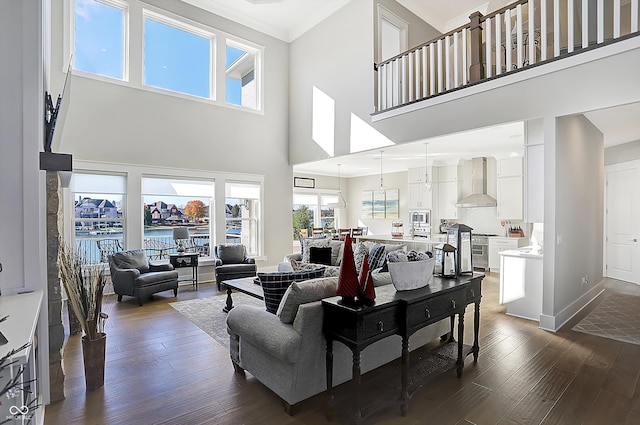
column 554, row 323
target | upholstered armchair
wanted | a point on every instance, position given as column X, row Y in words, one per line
column 133, row 275
column 231, row 262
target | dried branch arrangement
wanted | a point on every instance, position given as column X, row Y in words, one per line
column 84, row 284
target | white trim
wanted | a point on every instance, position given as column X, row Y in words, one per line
column 554, row 323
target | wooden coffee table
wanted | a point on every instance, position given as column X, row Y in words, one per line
column 244, row 285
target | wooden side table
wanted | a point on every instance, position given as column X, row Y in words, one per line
column 186, row 259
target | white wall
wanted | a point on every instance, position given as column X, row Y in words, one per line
column 622, row 153
column 117, row 124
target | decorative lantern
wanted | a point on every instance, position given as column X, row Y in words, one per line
column 446, row 260
column 459, row 235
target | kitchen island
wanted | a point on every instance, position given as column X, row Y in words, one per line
column 420, row 244
column 521, row 282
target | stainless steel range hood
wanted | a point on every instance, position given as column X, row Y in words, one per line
column 478, row 197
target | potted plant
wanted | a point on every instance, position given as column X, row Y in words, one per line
column 84, row 284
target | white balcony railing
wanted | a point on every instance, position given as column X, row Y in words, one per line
column 523, row 34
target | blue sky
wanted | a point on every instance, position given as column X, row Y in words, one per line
column 174, row 59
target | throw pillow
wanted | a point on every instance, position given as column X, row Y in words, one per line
column 136, row 259
column 376, row 256
column 302, row 293
column 308, row 243
column 275, row 284
column 336, row 252
column 320, row 255
column 231, row 254
column 299, row 265
column 359, row 254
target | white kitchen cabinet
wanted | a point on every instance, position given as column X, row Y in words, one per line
column 448, row 196
column 416, row 175
column 510, row 198
column 499, row 244
column 420, row 197
column 509, row 167
column 509, row 185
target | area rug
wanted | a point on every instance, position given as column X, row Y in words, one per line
column 207, row 314
column 617, row 317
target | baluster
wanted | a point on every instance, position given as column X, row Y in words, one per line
column 519, row 43
column 543, row 30
column 440, row 83
column 585, row 23
column 570, row 41
column 616, row 18
column 600, row 19
column 487, row 45
column 432, row 69
column 532, row 33
column 425, row 86
column 382, row 91
column 417, row 73
column 556, row 28
column 507, row 38
column 447, row 62
column 498, row 21
column 634, row 15
column 403, row 80
column 396, row 83
column 456, row 62
column 410, row 77
column 465, row 68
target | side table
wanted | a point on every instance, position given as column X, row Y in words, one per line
column 186, row 259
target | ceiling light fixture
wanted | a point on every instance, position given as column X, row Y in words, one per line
column 381, row 189
column 341, row 202
column 427, row 182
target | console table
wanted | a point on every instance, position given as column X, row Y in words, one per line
column 401, row 313
column 186, row 259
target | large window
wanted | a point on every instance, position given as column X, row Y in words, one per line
column 101, row 37
column 313, row 210
column 148, row 48
column 241, row 69
column 98, row 219
column 177, row 57
column 172, row 203
column 242, row 212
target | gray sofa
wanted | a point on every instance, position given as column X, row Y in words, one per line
column 132, row 274
column 286, row 351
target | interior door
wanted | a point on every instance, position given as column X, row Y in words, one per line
column 621, row 217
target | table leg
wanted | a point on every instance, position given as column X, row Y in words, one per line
column 229, row 305
column 476, row 328
column 460, row 361
column 451, row 338
column 195, row 276
column 357, row 381
column 404, row 395
column 329, row 370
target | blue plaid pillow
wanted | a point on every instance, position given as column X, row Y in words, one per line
column 275, row 284
column 376, row 256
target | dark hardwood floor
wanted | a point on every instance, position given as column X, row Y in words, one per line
column 162, row 369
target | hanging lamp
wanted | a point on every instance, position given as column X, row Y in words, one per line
column 381, row 189
column 341, row 201
column 427, row 182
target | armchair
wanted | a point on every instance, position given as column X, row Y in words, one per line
column 133, row 275
column 231, row 262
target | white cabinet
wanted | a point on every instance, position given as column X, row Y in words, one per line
column 420, row 197
column 521, row 283
column 510, row 189
column 416, row 175
column 19, row 328
column 449, row 188
column 497, row 245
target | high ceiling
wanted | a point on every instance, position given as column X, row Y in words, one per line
column 288, row 19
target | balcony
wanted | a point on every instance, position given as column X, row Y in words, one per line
column 521, row 36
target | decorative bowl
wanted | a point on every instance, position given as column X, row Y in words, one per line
column 407, row 275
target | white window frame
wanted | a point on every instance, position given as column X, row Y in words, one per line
column 256, row 219
column 318, row 194
column 258, row 53
column 182, row 25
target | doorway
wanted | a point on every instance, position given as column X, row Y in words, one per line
column 622, row 210
column 393, row 34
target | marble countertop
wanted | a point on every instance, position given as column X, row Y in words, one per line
column 524, row 252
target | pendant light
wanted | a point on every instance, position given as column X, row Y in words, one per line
column 427, row 182
column 341, row 202
column 381, row 189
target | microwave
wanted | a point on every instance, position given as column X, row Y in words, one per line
column 421, row 218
